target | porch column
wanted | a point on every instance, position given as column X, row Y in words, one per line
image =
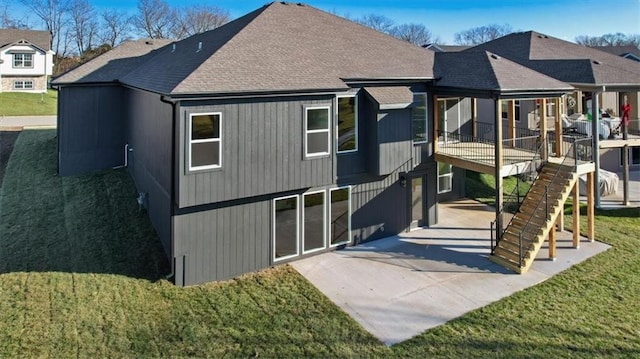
column 579, row 108
column 576, row 215
column 552, row 243
column 558, row 149
column 590, row 206
column 435, row 123
column 511, row 120
column 625, row 159
column 543, row 129
column 474, row 116
column 595, row 132
column 498, row 167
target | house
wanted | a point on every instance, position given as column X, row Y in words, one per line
column 629, row 51
column 26, row 60
column 284, row 133
column 445, row 48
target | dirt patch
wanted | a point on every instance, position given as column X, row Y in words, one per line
column 7, row 140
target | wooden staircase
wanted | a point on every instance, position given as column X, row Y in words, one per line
column 535, row 218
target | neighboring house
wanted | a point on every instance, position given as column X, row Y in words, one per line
column 445, row 48
column 26, row 60
column 628, row 52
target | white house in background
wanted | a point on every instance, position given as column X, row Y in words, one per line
column 26, row 60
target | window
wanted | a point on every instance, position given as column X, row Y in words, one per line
column 316, row 127
column 340, row 214
column 505, row 109
column 22, row 85
column 313, row 221
column 285, row 229
column 419, row 118
column 445, row 177
column 204, row 141
column 347, row 124
column 448, row 117
column 634, row 156
column 22, row 60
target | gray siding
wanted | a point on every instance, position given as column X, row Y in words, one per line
column 90, row 128
column 262, row 151
column 148, row 134
column 394, row 140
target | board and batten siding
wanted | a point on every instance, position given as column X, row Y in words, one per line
column 90, row 128
column 149, row 135
column 262, row 150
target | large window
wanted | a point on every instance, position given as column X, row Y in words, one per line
column 22, row 60
column 316, row 127
column 23, row 85
column 340, row 216
column 448, row 117
column 313, row 214
column 347, row 124
column 204, row 141
column 285, row 229
column 445, row 177
column 419, row 118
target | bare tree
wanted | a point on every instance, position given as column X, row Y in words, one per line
column 53, row 15
column 617, row 39
column 482, row 34
column 196, row 19
column 8, row 21
column 377, row 22
column 116, row 27
column 155, row 19
column 416, row 34
column 84, row 26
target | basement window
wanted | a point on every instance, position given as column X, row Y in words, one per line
column 23, row 85
column 205, row 149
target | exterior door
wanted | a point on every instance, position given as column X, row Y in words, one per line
column 417, row 202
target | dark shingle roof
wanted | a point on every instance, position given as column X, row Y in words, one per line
column 485, row 71
column 280, row 47
column 113, row 64
column 390, row 97
column 619, row 50
column 564, row 60
column 39, row 38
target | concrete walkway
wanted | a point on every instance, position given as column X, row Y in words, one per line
column 400, row 286
column 617, row 200
column 13, row 122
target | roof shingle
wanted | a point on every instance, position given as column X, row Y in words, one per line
column 39, row 38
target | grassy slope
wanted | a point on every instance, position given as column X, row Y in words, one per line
column 81, row 275
column 28, row 104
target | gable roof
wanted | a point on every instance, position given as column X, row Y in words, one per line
column 391, row 97
column 488, row 73
column 39, row 38
column 281, row 47
column 628, row 51
column 565, row 61
column 113, row 64
column 446, row 48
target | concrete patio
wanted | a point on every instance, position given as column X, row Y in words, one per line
column 400, row 286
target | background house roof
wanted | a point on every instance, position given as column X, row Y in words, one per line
column 41, row 39
column 488, row 72
column 113, row 64
column 628, row 51
column 564, row 60
column 281, row 47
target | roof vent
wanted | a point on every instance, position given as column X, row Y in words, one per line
column 597, row 62
column 543, row 36
column 173, row 47
column 149, row 42
column 199, row 46
column 283, row 3
column 300, row 4
column 495, row 57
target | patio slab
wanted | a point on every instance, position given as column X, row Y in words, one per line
column 400, row 286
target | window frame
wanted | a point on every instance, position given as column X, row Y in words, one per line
column 22, row 61
column 426, row 119
column 307, row 155
column 273, row 231
column 450, row 178
column 324, row 221
column 355, row 114
column 191, row 141
column 349, row 214
column 23, row 85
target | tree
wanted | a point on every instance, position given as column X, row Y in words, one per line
column 377, row 22
column 416, row 34
column 197, row 19
column 155, row 19
column 7, row 21
column 53, row 15
column 84, row 27
column 617, row 39
column 482, row 34
column 115, row 27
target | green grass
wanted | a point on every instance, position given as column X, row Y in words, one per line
column 82, row 275
column 28, row 104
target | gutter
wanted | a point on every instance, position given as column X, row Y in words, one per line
column 176, row 114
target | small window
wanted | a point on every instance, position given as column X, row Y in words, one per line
column 205, row 149
column 347, row 124
column 285, row 228
column 22, row 85
column 445, row 177
column 313, row 221
column 21, row 60
column 316, row 127
column 340, row 215
column 419, row 118
column 505, row 109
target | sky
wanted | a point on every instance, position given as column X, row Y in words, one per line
column 563, row 19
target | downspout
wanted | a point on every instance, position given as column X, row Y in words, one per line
column 174, row 122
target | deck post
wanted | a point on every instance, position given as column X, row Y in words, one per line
column 558, row 150
column 552, row 243
column 576, row 215
column 591, row 206
column 474, row 116
column 578, row 95
column 498, row 168
column 436, row 124
column 511, row 119
column 543, row 129
column 595, row 134
column 625, row 175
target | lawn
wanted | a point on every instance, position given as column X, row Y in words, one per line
column 82, row 274
column 28, row 104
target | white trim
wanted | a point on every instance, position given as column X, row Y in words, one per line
column 324, row 221
column 190, row 141
column 356, row 120
column 23, row 85
column 331, row 245
column 426, row 118
column 307, row 132
column 273, row 231
column 450, row 175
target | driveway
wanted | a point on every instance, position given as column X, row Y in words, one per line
column 19, row 122
column 400, row 286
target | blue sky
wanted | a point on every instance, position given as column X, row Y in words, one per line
column 564, row 19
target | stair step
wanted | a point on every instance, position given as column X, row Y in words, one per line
column 513, row 266
column 512, row 256
column 512, row 243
